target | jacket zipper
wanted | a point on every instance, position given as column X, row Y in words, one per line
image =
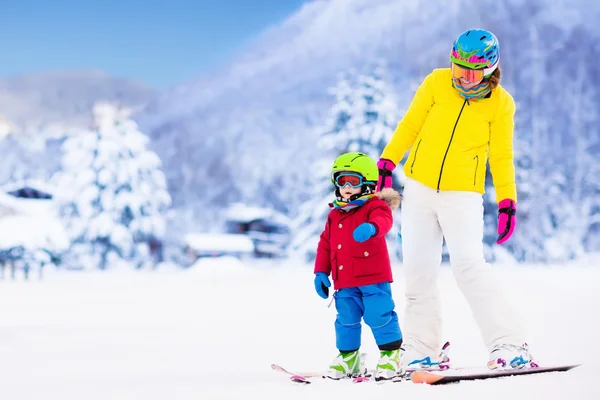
column 476, row 167
column 449, row 143
column 415, row 158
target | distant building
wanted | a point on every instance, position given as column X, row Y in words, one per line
column 202, row 245
column 31, row 234
column 268, row 229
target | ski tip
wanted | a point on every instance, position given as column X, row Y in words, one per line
column 299, row 379
column 425, row 377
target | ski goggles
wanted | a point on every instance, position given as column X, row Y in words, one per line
column 347, row 178
column 471, row 75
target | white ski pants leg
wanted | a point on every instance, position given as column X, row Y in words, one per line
column 428, row 217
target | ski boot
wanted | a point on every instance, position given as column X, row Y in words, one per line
column 346, row 365
column 413, row 360
column 507, row 356
column 389, row 366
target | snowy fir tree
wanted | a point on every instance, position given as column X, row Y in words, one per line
column 312, row 215
column 378, row 111
column 113, row 194
column 575, row 195
column 556, row 158
column 362, row 118
column 365, row 113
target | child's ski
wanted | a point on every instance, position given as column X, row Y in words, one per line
column 306, row 377
column 296, row 374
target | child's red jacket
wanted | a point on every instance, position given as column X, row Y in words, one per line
column 349, row 262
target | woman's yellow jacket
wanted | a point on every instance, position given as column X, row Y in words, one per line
column 452, row 139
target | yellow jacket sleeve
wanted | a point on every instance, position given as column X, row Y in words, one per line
column 501, row 151
column 411, row 123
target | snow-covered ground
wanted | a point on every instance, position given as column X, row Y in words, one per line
column 212, row 332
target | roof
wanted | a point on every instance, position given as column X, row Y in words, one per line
column 40, row 185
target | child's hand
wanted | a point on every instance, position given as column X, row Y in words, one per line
column 363, row 232
column 322, row 284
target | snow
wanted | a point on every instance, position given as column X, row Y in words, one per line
column 28, row 206
column 194, row 334
column 31, row 223
column 219, row 242
column 33, row 232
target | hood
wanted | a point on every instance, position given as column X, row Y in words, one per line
column 390, row 196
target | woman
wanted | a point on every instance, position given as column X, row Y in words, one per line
column 459, row 119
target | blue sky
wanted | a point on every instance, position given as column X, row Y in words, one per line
column 162, row 42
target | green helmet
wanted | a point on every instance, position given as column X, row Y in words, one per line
column 356, row 162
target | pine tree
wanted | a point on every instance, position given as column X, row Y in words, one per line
column 312, row 216
column 575, row 199
column 557, row 175
column 113, row 194
column 362, row 118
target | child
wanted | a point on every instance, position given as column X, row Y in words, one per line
column 353, row 249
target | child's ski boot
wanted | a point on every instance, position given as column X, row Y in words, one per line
column 389, row 366
column 346, row 365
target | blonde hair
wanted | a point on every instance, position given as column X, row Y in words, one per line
column 494, row 80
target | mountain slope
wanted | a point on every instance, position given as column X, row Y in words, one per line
column 242, row 130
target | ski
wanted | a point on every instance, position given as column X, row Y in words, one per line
column 279, row 368
column 307, row 377
column 425, row 365
column 304, row 377
column 454, row 376
column 300, row 379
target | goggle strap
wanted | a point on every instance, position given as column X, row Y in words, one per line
column 490, row 70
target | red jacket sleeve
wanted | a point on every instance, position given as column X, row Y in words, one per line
column 381, row 216
column 323, row 261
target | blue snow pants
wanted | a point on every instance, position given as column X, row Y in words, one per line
column 375, row 304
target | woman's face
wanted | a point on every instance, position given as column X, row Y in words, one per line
column 467, row 77
column 468, row 85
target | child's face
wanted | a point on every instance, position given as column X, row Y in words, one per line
column 348, row 191
column 346, row 180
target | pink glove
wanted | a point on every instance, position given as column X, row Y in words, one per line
column 507, row 219
column 385, row 174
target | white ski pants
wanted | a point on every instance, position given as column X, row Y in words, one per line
column 427, row 217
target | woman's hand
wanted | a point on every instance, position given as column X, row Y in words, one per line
column 507, row 220
column 385, row 174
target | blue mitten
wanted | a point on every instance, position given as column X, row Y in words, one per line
column 363, row 232
column 322, row 284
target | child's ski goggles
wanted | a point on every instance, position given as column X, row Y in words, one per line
column 346, row 178
column 471, row 75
